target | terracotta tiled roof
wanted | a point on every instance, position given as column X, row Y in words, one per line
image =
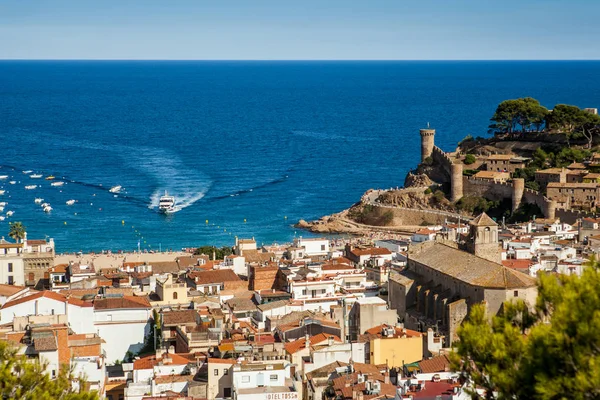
column 469, row 268
column 214, row 276
column 297, row 345
column 517, row 264
column 45, row 344
column 112, row 303
column 435, row 364
column 374, row 251
column 36, row 242
column 178, row 317
column 150, row 361
column 50, row 295
column 59, row 269
column 9, row 290
column 483, row 220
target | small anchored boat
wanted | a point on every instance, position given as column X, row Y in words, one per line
column 58, row 183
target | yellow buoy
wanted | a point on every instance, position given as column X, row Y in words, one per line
column 65, row 222
column 285, row 217
column 122, row 222
column 244, row 220
column 224, row 230
column 207, row 222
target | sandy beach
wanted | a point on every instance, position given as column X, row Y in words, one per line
column 112, row 261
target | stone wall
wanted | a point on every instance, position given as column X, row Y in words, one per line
column 415, row 217
column 457, row 312
column 487, row 189
column 443, row 160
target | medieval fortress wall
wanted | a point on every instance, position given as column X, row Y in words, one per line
column 467, row 186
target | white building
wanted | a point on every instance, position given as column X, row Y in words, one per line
column 79, row 313
column 12, row 268
column 313, row 246
column 260, row 381
column 423, row 235
column 123, row 322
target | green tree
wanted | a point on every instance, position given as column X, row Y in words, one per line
column 219, row 252
column 526, row 112
column 549, row 352
column 574, row 122
column 563, row 118
column 25, row 379
column 470, row 159
column 16, row 231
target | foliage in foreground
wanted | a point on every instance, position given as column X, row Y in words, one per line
column 552, row 352
column 26, row 379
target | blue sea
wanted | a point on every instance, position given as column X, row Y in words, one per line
column 247, row 148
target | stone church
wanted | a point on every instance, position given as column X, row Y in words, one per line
column 445, row 277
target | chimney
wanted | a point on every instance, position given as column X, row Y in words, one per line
column 330, row 341
column 360, row 395
column 306, row 341
column 214, row 256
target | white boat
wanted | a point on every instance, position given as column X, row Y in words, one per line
column 45, row 205
column 3, row 203
column 1, row 209
column 38, row 200
column 36, row 176
column 1, row 217
column 2, row 192
column 58, row 183
column 70, row 202
column 3, row 176
column 9, row 213
column 116, row 189
column 12, row 182
column 47, row 209
column 166, row 204
column 30, row 187
column 27, row 172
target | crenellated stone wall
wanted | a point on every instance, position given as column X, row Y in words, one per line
column 467, row 186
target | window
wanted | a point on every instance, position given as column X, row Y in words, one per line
column 11, row 280
column 10, row 267
column 225, row 371
column 246, row 379
column 322, row 291
column 216, row 372
column 31, row 277
column 322, row 247
column 273, row 378
column 174, row 295
column 226, row 392
column 53, row 373
column 516, row 293
column 303, row 292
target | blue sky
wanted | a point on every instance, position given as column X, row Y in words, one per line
column 299, row 29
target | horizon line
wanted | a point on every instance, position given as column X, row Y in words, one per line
column 302, row 59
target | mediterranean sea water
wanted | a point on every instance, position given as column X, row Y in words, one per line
column 250, row 147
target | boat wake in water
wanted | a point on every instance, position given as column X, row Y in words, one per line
column 186, row 185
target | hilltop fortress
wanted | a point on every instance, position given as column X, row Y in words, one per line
column 567, row 193
column 452, row 169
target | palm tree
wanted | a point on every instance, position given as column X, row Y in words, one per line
column 17, row 231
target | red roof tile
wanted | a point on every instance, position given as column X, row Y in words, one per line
column 48, row 294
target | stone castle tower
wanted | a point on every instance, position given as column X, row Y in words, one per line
column 483, row 238
column 427, row 142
